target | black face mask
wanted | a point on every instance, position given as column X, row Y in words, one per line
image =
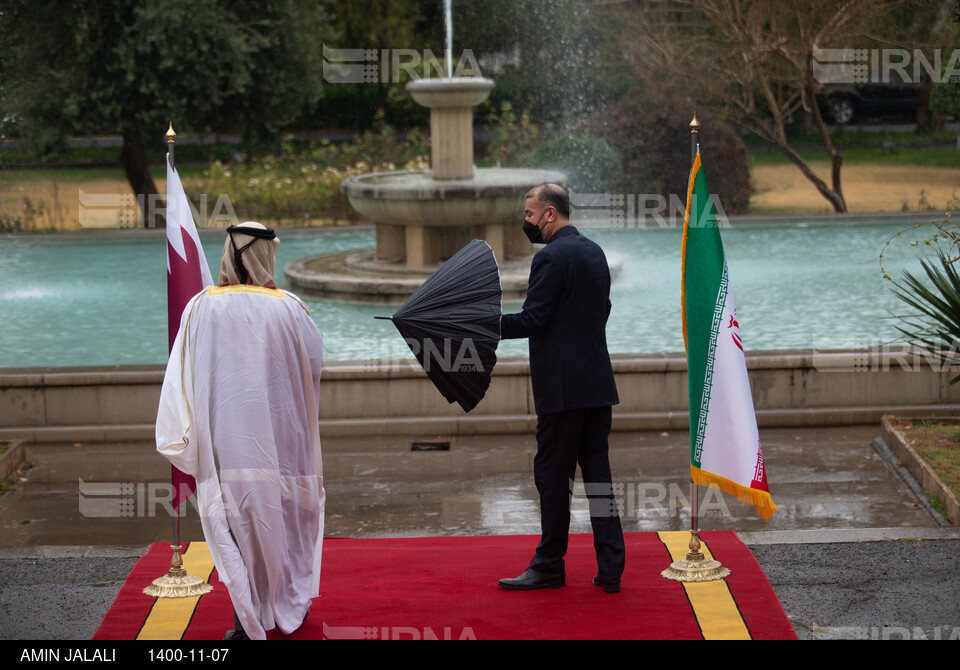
column 532, row 231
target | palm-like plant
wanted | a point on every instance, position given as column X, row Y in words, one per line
column 937, row 330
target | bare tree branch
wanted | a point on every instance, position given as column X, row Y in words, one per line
column 752, row 59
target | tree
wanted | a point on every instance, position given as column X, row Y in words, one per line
column 945, row 95
column 383, row 27
column 754, row 60
column 656, row 159
column 130, row 67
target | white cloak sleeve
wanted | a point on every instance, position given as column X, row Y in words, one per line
column 175, row 431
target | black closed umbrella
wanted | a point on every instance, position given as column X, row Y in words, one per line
column 452, row 324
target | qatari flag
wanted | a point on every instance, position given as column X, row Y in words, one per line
column 187, row 275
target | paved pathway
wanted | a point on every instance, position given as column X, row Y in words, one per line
column 851, row 552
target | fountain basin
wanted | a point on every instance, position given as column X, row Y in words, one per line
column 421, row 221
column 465, row 92
column 415, row 198
column 359, row 277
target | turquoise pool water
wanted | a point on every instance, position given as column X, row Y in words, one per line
column 85, row 300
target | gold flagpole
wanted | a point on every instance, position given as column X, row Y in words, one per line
column 177, row 583
column 695, row 567
column 171, row 135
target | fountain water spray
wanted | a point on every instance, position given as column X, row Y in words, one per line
column 448, row 19
column 424, row 217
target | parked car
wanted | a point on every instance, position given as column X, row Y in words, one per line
column 845, row 103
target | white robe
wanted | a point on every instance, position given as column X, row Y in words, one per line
column 239, row 412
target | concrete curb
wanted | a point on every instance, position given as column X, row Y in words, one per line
column 846, row 535
column 923, row 473
column 72, row 551
column 791, row 388
column 12, row 459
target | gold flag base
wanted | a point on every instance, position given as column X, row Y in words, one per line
column 177, row 583
column 695, row 567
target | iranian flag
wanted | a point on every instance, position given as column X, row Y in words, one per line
column 187, row 275
column 725, row 448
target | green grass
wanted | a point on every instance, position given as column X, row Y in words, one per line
column 93, row 156
column 13, row 481
column 857, row 146
column 857, row 138
column 83, row 174
column 945, row 158
column 860, row 147
column 935, row 503
column 938, row 444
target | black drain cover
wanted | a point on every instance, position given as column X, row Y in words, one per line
column 430, row 445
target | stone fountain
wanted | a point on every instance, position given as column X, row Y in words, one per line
column 423, row 217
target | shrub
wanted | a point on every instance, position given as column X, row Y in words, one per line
column 302, row 186
column 515, row 137
column 654, row 148
column 590, row 164
column 945, row 99
column 936, row 330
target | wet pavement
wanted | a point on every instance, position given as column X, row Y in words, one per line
column 70, row 533
column 118, row 494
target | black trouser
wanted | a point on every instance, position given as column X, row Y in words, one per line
column 564, row 440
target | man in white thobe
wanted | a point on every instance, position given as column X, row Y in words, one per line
column 239, row 412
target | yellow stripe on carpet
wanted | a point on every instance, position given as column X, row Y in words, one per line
column 169, row 617
column 716, row 611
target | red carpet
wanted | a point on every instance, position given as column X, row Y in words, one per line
column 446, row 588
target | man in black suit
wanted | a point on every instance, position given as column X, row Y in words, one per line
column 564, row 316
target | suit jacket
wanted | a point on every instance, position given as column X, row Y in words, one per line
column 565, row 316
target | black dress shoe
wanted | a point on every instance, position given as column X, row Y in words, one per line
column 531, row 579
column 609, row 585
